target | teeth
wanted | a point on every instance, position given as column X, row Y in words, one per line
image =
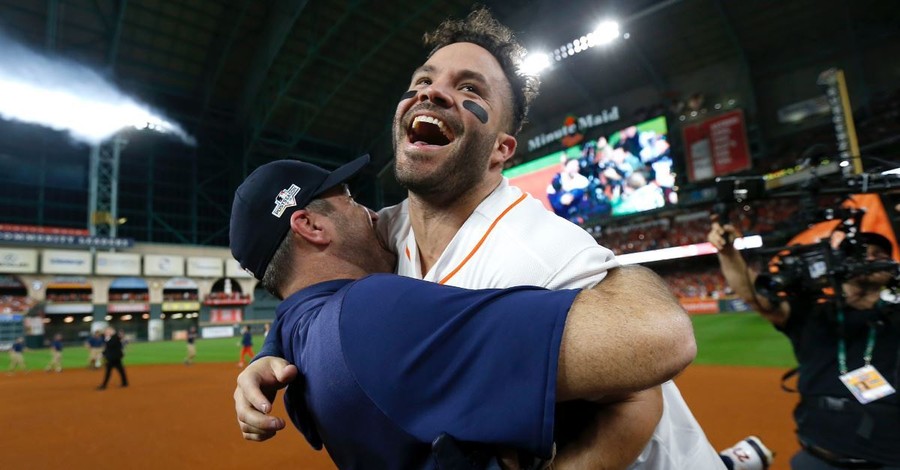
column 431, row 120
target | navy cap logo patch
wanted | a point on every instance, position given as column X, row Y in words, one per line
column 286, row 198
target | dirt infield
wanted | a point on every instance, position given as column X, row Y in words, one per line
column 181, row 417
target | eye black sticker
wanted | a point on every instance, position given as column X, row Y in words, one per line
column 409, row 94
column 477, row 110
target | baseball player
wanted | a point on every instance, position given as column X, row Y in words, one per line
column 95, row 349
column 16, row 356
column 192, row 348
column 56, row 348
column 246, row 345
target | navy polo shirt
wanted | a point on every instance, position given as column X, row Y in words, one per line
column 388, row 363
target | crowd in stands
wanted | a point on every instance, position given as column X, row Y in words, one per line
column 689, row 227
column 118, row 296
column 707, row 282
column 222, row 297
column 184, row 295
column 15, row 304
column 69, row 296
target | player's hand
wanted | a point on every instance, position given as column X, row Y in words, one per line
column 722, row 236
column 257, row 386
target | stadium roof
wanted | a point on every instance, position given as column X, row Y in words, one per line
column 261, row 80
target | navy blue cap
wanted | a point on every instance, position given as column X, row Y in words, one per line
column 264, row 202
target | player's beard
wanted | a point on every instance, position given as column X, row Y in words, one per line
column 463, row 168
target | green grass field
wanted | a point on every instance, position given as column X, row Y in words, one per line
column 159, row 352
column 741, row 339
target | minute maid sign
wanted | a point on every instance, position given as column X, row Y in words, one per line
column 580, row 124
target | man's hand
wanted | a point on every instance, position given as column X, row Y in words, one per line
column 256, row 388
column 722, row 236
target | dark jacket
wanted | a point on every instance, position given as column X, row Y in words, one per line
column 113, row 350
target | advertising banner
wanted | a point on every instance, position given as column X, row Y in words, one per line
column 695, row 306
column 65, row 262
column 226, row 315
column 217, row 332
column 128, row 307
column 118, row 264
column 717, row 146
column 14, row 260
column 193, row 306
column 163, row 265
column 234, row 269
column 204, row 267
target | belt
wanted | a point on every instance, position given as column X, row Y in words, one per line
column 839, row 460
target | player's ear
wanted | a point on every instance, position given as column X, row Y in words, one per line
column 311, row 226
column 504, row 148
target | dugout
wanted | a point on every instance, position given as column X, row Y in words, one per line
column 69, row 309
column 128, row 306
column 180, row 306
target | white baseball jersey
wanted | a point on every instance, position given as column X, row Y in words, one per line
column 512, row 239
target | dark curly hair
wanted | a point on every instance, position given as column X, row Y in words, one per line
column 482, row 29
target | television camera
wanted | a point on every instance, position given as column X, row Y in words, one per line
column 816, row 270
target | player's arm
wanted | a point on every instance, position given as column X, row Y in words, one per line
column 740, row 277
column 626, row 334
column 616, row 433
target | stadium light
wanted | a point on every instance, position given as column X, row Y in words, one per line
column 607, row 31
column 534, row 63
column 67, row 96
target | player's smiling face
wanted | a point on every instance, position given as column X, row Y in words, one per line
column 440, row 145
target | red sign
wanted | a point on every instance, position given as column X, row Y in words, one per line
column 695, row 306
column 717, row 146
column 44, row 230
column 226, row 315
column 121, row 307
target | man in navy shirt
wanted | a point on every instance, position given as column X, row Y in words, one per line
column 16, row 356
column 56, row 348
column 388, row 364
column 191, row 347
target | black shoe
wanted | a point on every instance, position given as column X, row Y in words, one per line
column 102, row 387
column 124, row 385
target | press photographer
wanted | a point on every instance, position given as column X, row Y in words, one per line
column 827, row 299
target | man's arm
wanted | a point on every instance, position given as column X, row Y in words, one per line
column 256, row 388
column 616, row 433
column 739, row 276
column 626, row 334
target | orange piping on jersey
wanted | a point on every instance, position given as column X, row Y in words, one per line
column 407, row 253
column 480, row 242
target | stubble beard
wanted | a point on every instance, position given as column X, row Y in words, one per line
column 362, row 248
column 463, row 169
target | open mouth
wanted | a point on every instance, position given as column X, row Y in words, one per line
column 428, row 130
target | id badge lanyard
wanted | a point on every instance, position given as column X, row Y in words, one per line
column 842, row 344
column 866, row 383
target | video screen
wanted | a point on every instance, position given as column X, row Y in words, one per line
column 626, row 172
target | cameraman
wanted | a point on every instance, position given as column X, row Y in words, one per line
column 835, row 429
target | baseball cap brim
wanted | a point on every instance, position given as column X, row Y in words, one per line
column 343, row 173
